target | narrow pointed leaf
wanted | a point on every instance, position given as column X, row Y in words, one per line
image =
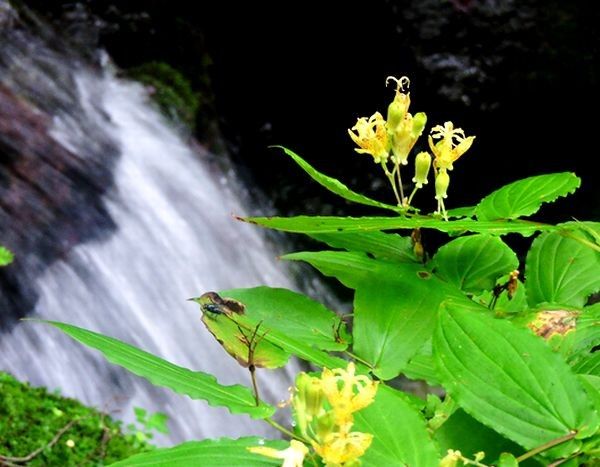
column 510, row 380
column 474, row 263
column 335, row 186
column 316, row 224
column 222, row 452
column 197, row 385
column 525, row 197
column 392, row 247
column 561, row 270
column 399, row 440
column 588, row 364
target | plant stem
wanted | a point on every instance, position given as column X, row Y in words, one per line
column 404, row 203
column 284, row 430
column 546, row 446
column 357, row 358
column 390, row 177
column 411, row 196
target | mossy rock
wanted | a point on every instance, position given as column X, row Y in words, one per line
column 31, row 417
column 170, row 90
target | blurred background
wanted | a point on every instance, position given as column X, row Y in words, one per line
column 130, row 131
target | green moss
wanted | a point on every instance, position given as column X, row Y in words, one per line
column 171, row 91
column 31, row 417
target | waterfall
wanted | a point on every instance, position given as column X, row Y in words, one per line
column 174, row 238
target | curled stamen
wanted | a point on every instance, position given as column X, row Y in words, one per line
column 400, row 82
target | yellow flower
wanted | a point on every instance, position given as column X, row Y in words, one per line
column 346, row 391
column 292, row 456
column 451, row 145
column 371, row 136
column 344, row 446
column 403, row 128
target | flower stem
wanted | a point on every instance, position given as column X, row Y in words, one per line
column 411, row 196
column 284, row 430
column 404, row 203
column 390, row 177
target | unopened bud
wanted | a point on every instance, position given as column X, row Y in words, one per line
column 397, row 110
column 442, row 181
column 418, row 124
column 310, row 393
column 325, row 424
column 422, row 165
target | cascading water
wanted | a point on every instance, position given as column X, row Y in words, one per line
column 174, row 239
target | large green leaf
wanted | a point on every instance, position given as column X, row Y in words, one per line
column 335, row 186
column 399, row 440
column 222, row 452
column 292, row 314
column 510, row 380
column 462, row 432
column 197, row 385
column 524, row 197
column 349, row 267
column 392, row 247
column 313, row 225
column 394, row 317
column 561, row 270
column 474, row 263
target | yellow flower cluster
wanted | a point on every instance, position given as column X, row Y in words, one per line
column 323, row 410
column 398, row 135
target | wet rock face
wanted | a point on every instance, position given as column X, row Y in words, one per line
column 50, row 196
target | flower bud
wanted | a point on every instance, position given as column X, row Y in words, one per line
column 397, row 110
column 442, row 181
column 422, row 165
column 310, row 394
column 418, row 124
column 325, row 425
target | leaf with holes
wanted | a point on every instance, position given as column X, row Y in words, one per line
column 561, row 270
column 315, row 224
column 525, row 197
column 510, row 380
column 474, row 263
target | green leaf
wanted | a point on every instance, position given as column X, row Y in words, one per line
column 335, row 186
column 507, row 460
column 392, row 247
column 349, row 267
column 293, row 314
column 524, row 197
column 561, row 270
column 464, row 211
column 591, row 384
column 6, row 256
column 422, row 367
column 394, row 315
column 474, row 263
column 510, row 380
column 465, row 434
column 237, row 339
column 401, row 440
column 159, row 372
column 588, row 365
column 222, row 452
column 315, row 224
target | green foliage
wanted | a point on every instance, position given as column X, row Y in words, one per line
column 516, row 355
column 171, row 91
column 208, row 453
column 194, row 384
column 31, row 417
column 6, row 257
